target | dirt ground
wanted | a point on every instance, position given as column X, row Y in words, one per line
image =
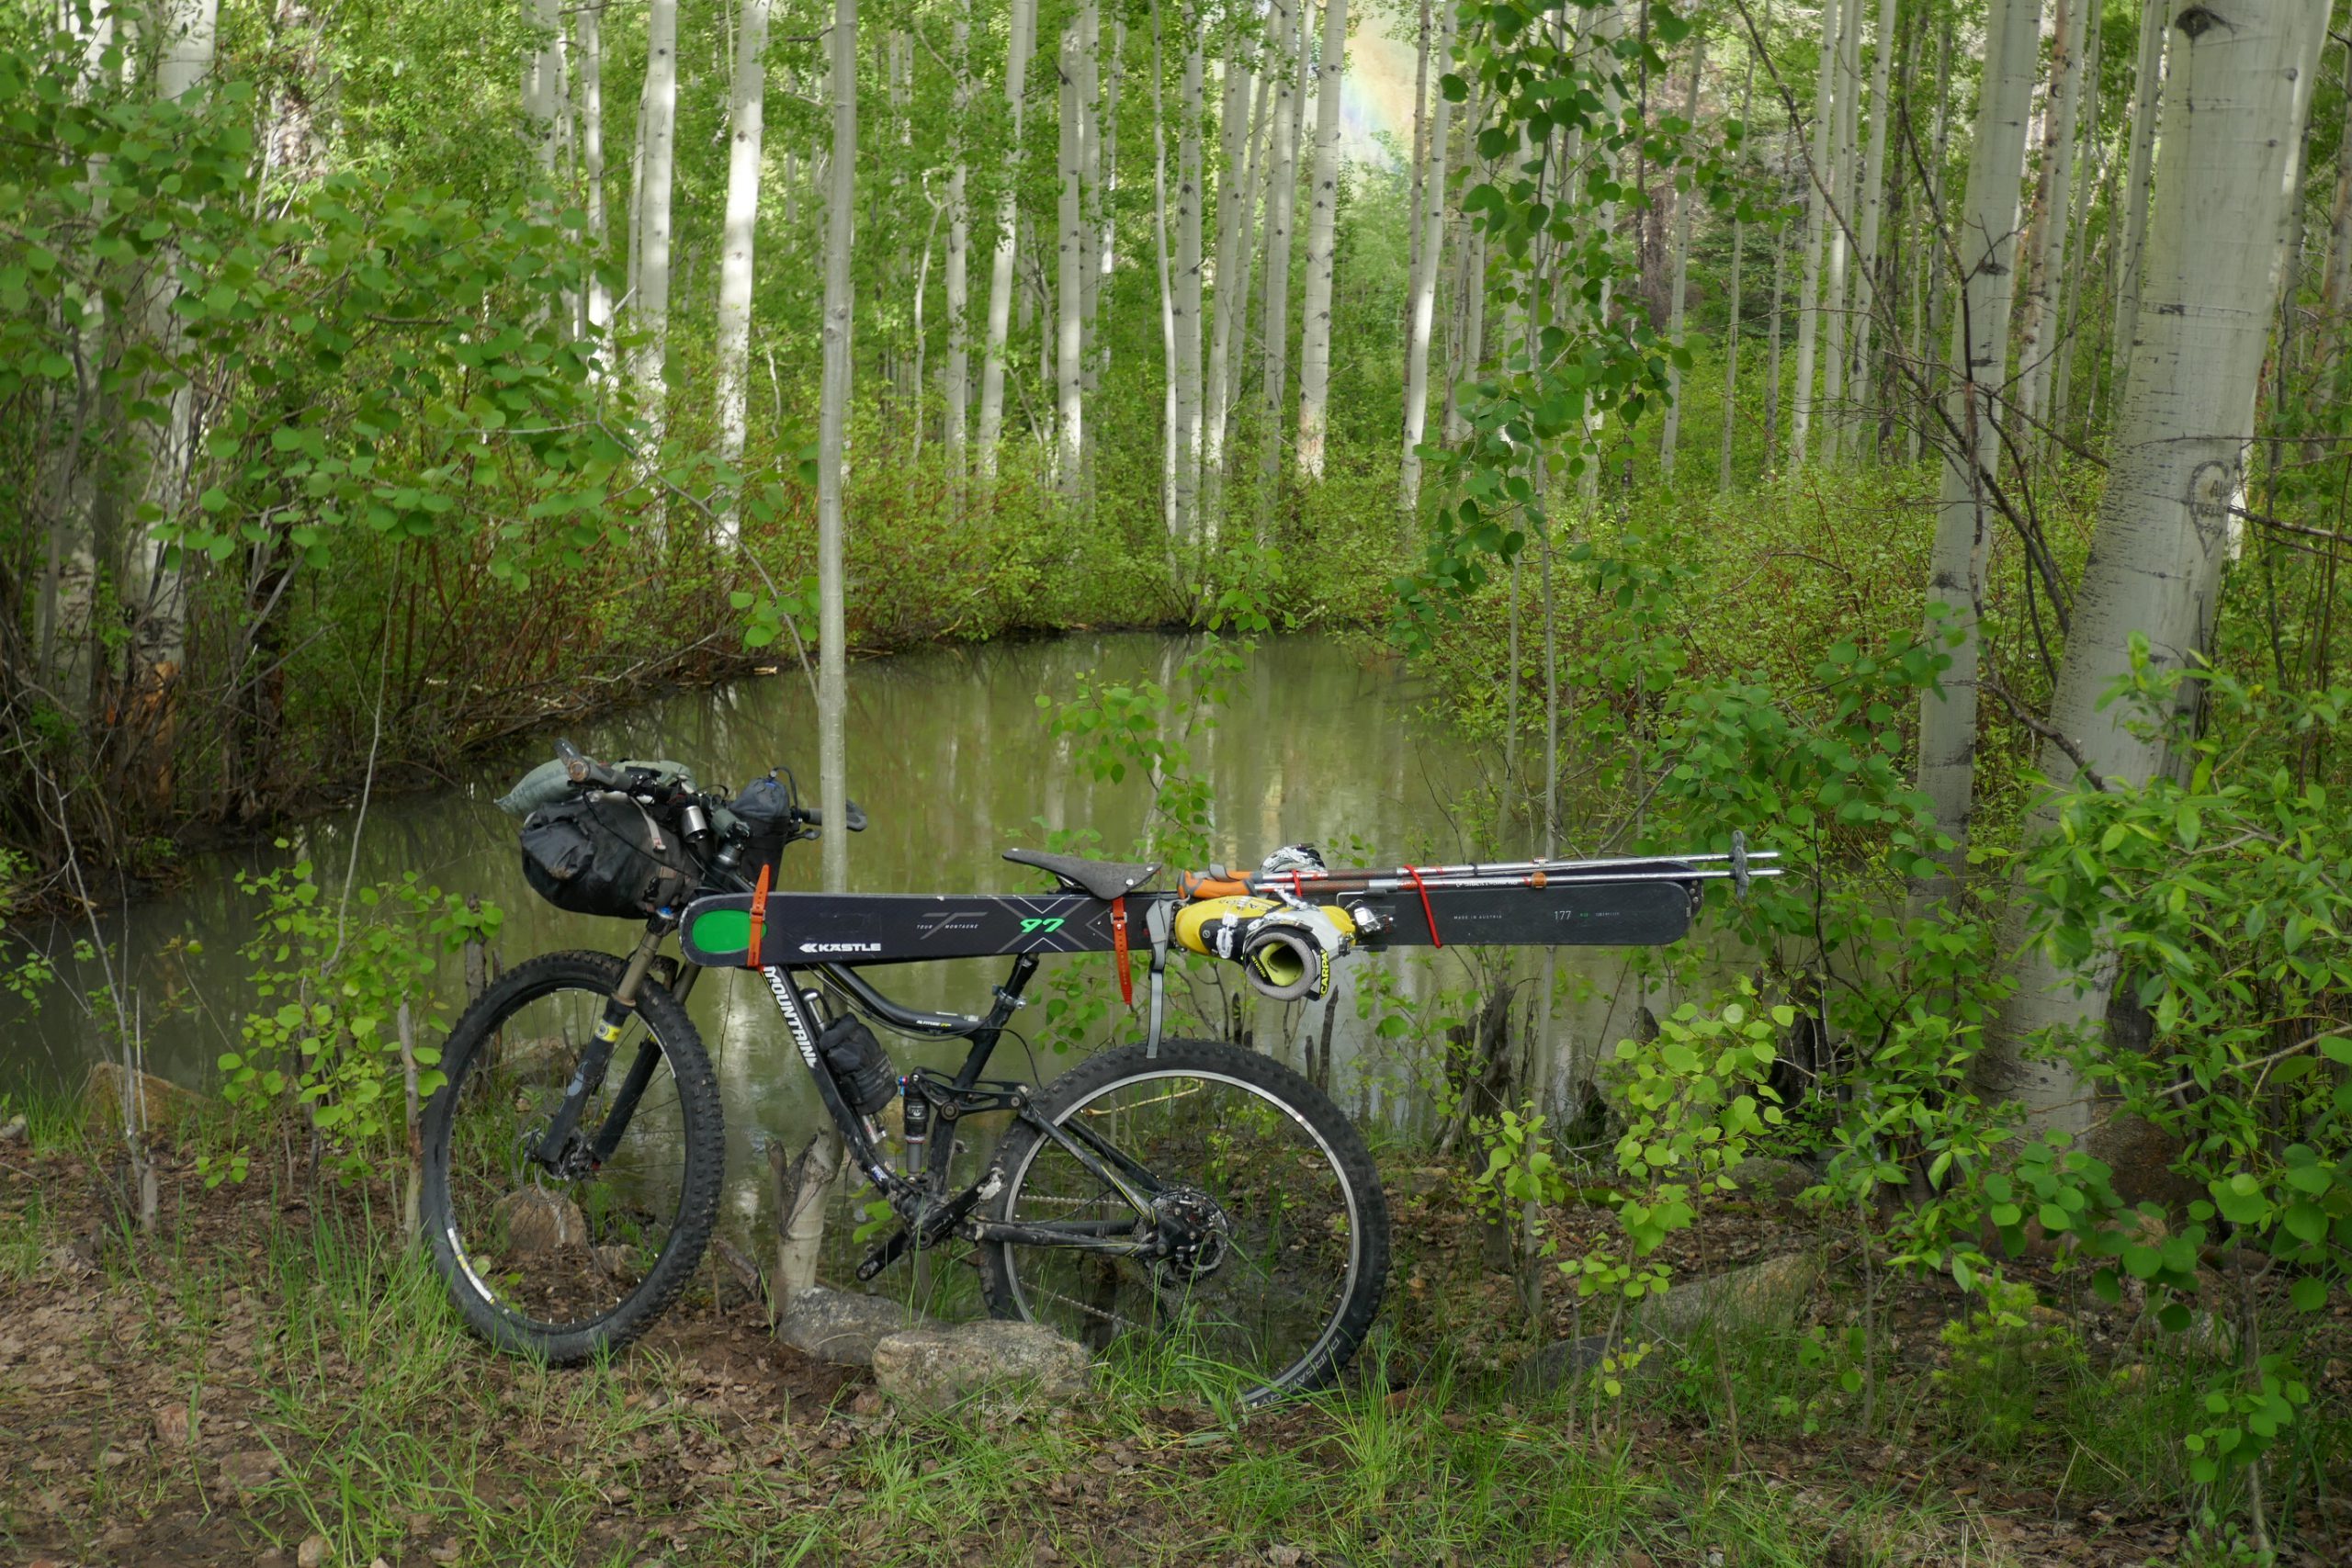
column 193, row 1397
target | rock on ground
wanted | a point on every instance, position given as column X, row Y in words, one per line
column 539, row 1224
column 1770, row 1291
column 844, row 1327
column 1765, row 1175
column 937, row 1367
column 102, row 1091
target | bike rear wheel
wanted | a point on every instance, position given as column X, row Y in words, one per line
column 1275, row 1229
column 564, row 1263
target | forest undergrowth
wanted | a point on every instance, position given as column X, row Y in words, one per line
column 269, row 1376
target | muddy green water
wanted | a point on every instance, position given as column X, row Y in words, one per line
column 949, row 755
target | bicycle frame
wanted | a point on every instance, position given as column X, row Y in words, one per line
column 927, row 1213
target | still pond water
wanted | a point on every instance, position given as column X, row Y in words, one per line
column 950, row 757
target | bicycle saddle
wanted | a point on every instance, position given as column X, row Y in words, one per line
column 1103, row 878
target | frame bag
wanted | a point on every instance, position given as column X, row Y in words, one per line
column 604, row 854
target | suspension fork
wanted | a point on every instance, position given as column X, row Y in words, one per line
column 597, row 1058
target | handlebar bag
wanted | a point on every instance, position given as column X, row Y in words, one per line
column 606, row 854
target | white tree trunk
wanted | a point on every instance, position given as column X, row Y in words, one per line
column 1106, row 194
column 539, row 79
column 2038, row 334
column 1422, row 319
column 1987, row 249
column 1171, row 513
column 1467, row 356
column 2147, row 88
column 1189, row 194
column 592, row 153
column 1282, row 194
column 1873, row 196
column 1681, row 279
column 1235, row 133
column 832, row 419
column 1836, row 307
column 1322, row 235
column 154, row 578
column 2232, row 131
column 1238, row 283
column 1732, row 324
column 652, row 309
column 1070, row 276
column 1819, row 183
column 956, row 379
column 2336, row 289
column 1022, row 39
column 747, row 106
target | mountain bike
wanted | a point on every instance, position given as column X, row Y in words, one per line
column 1186, row 1197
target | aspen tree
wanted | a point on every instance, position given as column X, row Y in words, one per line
column 1189, row 194
column 1021, row 39
column 154, row 578
column 1732, row 322
column 745, row 115
column 2147, row 87
column 1873, row 202
column 1171, row 515
column 1322, row 234
column 1422, row 303
column 1836, row 306
column 1237, row 133
column 591, row 155
column 1070, row 276
column 1282, row 193
column 1818, row 187
column 1986, row 246
column 1681, row 275
column 956, row 377
column 2232, row 133
column 659, row 137
column 2054, row 209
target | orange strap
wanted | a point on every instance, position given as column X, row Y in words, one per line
column 1426, row 913
column 1200, row 884
column 1119, row 950
column 759, row 919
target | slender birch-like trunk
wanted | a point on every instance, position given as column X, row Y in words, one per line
column 591, row 156
column 2232, row 132
column 1423, row 304
column 1022, row 39
column 2092, row 166
column 1419, row 162
column 2335, row 290
column 2147, row 90
column 1873, row 195
column 539, row 77
column 1236, row 128
column 1188, row 195
column 1819, row 186
column 1282, row 193
column 1929, row 347
column 1322, row 234
column 1091, row 208
column 1987, row 249
column 832, row 421
column 1732, row 324
column 1070, row 276
column 1772, row 348
column 746, row 118
column 2054, row 209
column 1171, row 515
column 1836, row 306
column 1106, row 192
column 635, row 197
column 1466, row 349
column 154, row 578
column 1680, row 281
column 1253, row 197
column 652, row 309
column 957, row 378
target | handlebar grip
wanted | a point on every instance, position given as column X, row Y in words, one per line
column 815, row 819
column 582, row 768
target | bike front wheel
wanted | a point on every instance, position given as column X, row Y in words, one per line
column 1222, row 1230
column 567, row 1252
